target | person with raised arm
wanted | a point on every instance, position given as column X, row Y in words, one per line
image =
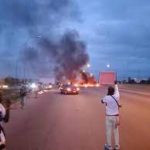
column 112, row 105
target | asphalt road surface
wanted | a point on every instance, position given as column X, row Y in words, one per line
column 76, row 122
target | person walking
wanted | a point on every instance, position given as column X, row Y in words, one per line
column 22, row 96
column 111, row 101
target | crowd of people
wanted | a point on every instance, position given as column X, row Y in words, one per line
column 112, row 122
column 5, row 113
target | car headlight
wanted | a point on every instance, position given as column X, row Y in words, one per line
column 50, row 86
column 78, row 89
column 68, row 89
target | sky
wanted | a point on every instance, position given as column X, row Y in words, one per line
column 115, row 32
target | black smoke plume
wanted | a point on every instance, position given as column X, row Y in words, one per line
column 48, row 54
column 64, row 57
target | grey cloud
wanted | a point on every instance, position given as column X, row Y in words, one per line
column 36, row 17
column 122, row 30
column 18, row 13
column 125, row 39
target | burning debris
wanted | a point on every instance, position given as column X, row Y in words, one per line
column 64, row 57
column 87, row 78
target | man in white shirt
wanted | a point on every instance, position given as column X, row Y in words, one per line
column 111, row 101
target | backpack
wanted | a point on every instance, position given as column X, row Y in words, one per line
column 6, row 117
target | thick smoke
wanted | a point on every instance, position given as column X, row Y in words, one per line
column 64, row 57
column 37, row 28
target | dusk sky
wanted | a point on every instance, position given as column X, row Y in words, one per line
column 115, row 32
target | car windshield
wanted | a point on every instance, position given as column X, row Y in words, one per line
column 68, row 86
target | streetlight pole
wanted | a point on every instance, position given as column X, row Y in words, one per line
column 16, row 69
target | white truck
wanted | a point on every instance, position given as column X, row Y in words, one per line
column 107, row 77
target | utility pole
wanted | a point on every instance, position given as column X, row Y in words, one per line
column 24, row 72
column 16, row 70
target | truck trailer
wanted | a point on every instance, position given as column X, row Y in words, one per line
column 107, row 77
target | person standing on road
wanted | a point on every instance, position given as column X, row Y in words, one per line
column 111, row 101
column 22, row 96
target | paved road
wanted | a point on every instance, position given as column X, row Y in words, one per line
column 76, row 122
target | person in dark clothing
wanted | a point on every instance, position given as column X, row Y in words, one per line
column 22, row 96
